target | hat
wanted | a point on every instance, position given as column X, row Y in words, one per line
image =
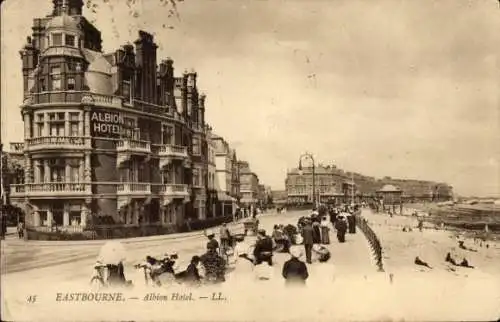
column 295, row 252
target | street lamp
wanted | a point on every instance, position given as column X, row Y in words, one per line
column 309, row 156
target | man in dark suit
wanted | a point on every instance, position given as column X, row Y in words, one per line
column 307, row 235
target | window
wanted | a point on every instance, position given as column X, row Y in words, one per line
column 74, row 174
column 43, row 218
column 56, row 124
column 196, row 146
column 42, row 85
column 57, row 39
column 57, row 173
column 71, row 84
column 41, row 171
column 126, row 90
column 55, row 75
column 167, row 175
column 70, row 40
column 168, row 134
column 167, row 98
column 196, row 178
column 73, row 124
column 129, row 127
column 39, row 125
column 75, row 218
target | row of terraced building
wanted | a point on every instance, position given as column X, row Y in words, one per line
column 334, row 185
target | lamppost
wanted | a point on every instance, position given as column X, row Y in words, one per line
column 309, row 156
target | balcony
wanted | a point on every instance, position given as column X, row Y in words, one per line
column 168, row 152
column 58, row 143
column 169, row 192
column 133, row 188
column 174, row 190
column 55, row 97
column 51, row 189
column 126, row 148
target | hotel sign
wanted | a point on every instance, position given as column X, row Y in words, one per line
column 108, row 124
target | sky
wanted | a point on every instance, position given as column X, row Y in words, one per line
column 407, row 89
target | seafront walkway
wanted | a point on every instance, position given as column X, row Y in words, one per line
column 17, row 256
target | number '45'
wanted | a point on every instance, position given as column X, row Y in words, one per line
column 32, row 299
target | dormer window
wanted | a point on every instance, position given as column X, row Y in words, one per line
column 57, row 39
column 70, row 40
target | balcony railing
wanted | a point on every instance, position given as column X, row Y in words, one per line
column 167, row 150
column 174, row 190
column 56, row 97
column 49, row 189
column 150, row 107
column 131, row 188
column 72, row 97
column 17, row 147
column 58, row 142
column 133, row 146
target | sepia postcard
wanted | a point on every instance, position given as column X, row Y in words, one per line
column 250, row 160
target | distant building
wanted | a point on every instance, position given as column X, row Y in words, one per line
column 225, row 178
column 279, row 196
column 331, row 185
column 335, row 185
column 249, row 184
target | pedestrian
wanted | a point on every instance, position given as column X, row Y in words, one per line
column 316, row 232
column 212, row 243
column 20, row 230
column 294, row 270
column 225, row 238
column 341, row 227
column 307, row 235
column 263, row 251
column 214, row 266
column 351, row 223
column 325, row 231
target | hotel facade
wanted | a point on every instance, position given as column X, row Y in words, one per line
column 108, row 138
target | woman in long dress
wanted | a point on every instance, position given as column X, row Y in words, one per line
column 325, row 231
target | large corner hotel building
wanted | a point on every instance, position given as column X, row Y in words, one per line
column 108, row 136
